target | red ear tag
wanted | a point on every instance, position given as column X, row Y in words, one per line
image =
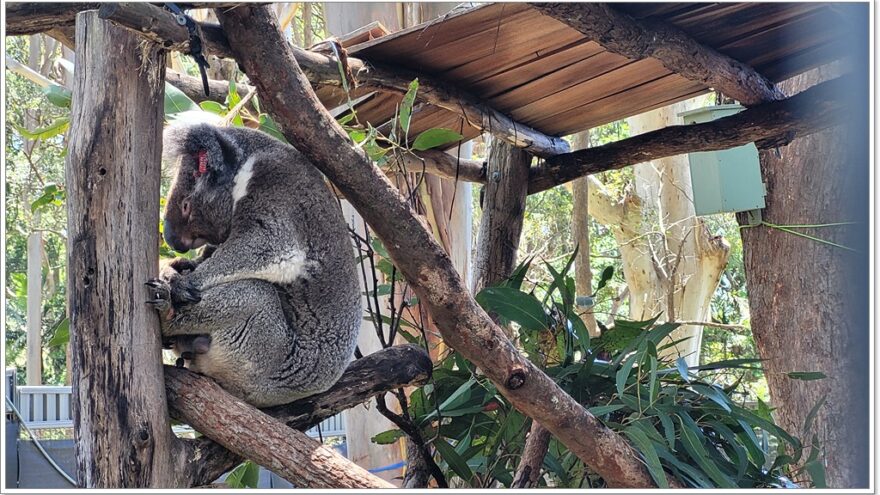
column 203, row 162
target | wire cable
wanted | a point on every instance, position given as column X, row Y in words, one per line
column 38, row 444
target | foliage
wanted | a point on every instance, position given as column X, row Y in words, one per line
column 680, row 419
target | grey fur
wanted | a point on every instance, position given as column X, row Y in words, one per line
column 279, row 295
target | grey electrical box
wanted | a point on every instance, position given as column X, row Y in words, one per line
column 724, row 181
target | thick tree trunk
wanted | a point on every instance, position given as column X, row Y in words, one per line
column 808, row 300
column 504, row 203
column 121, row 427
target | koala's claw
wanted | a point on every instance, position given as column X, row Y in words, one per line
column 162, row 297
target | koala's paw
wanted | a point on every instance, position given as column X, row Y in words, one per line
column 161, row 302
column 176, row 267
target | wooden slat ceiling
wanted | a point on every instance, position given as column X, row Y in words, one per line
column 548, row 76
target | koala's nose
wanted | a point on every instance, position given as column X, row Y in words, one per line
column 176, row 242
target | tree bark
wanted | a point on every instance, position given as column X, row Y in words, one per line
column 808, row 300
column 112, row 175
column 769, row 125
column 257, row 436
column 504, row 204
column 580, row 231
column 529, row 470
column 253, row 34
column 677, row 51
column 382, row 371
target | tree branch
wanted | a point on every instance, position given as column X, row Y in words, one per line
column 377, row 373
column 532, row 460
column 768, row 125
column 286, row 93
column 675, row 49
column 257, row 436
column 159, row 26
column 36, row 17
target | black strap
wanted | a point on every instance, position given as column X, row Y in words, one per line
column 195, row 42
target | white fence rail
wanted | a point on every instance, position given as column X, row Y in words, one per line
column 50, row 407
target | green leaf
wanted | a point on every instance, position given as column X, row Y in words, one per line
column 607, row 273
column 817, row 473
column 811, row 416
column 728, row 363
column 691, row 437
column 646, row 448
column 269, row 126
column 603, row 410
column 682, row 367
column 668, row 429
column 58, row 95
column 213, row 107
column 57, row 127
column 176, row 101
column 514, row 281
column 387, row 437
column 433, row 138
column 514, row 305
column 806, row 375
column 406, row 105
column 713, row 394
column 62, row 334
column 624, row 371
column 52, row 194
column 455, row 462
column 232, row 97
column 246, row 475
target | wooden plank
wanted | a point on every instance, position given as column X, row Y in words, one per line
column 533, row 45
column 65, row 413
column 407, row 44
column 620, row 105
column 607, row 84
column 51, row 407
column 536, row 68
column 38, row 414
column 559, row 81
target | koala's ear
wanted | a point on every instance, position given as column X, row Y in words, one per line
column 189, row 139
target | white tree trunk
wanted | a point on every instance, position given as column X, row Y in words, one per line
column 34, row 369
column 671, row 262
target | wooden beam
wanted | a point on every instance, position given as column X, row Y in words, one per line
column 159, row 26
column 287, row 95
column 443, row 164
column 768, row 125
column 36, row 17
column 675, row 49
column 382, row 371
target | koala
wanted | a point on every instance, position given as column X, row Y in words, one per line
column 272, row 309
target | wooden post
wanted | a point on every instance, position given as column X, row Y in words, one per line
column 504, row 203
column 121, row 425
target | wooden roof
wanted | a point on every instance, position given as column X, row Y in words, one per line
column 545, row 74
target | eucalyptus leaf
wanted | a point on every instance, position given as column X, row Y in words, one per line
column 176, row 101
column 652, row 461
column 62, row 334
column 406, row 106
column 434, row 138
column 514, row 305
column 387, row 437
column 806, row 375
column 455, row 461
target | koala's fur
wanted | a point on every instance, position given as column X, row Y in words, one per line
column 273, row 310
